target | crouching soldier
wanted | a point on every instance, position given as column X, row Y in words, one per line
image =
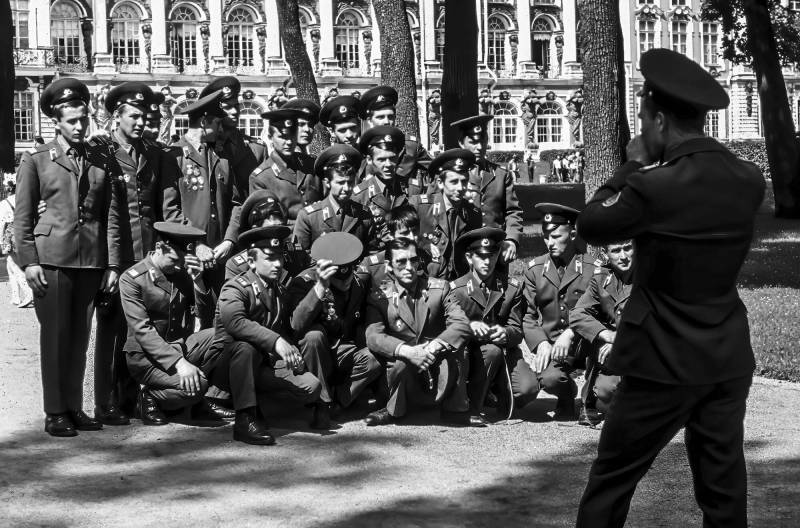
column 252, row 331
column 328, row 319
column 419, row 336
column 595, row 318
column 161, row 296
column 494, row 305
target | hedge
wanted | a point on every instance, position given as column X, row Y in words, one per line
column 501, row 157
column 754, row 150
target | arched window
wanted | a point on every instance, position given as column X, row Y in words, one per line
column 549, row 123
column 496, row 48
column 440, row 40
column 65, row 32
column 241, row 38
column 541, row 34
column 180, row 121
column 125, row 22
column 183, row 38
column 505, row 125
column 347, row 41
column 250, row 121
column 20, row 12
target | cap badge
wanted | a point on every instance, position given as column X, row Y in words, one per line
column 274, row 242
column 548, row 217
column 342, row 158
column 379, row 99
column 458, row 164
column 388, row 138
column 287, row 123
column 342, row 109
column 477, row 129
column 67, row 92
column 153, row 107
column 139, row 96
column 226, row 91
column 485, row 242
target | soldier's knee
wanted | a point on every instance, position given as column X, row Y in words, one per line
column 553, row 378
column 244, row 350
column 369, row 363
column 311, row 387
column 315, row 339
column 604, row 389
column 492, row 354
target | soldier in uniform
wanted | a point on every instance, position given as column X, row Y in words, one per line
column 286, row 173
column 447, row 214
column 553, row 284
column 419, row 336
column 69, row 252
column 494, row 305
column 328, row 319
column 683, row 343
column 252, row 330
column 491, row 187
column 336, row 165
column 379, row 107
column 161, row 295
column 152, row 120
column 342, row 116
column 595, row 318
column 306, row 122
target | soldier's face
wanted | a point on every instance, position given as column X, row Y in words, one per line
column 272, row 220
column 341, row 185
column 151, row 128
column 130, row 122
column 620, row 256
column 232, row 111
column 453, row 185
column 172, row 257
column 558, row 239
column 384, row 162
column 283, row 141
column 305, row 132
column 347, row 132
column 382, row 117
column 475, row 144
column 73, row 123
column 482, row 263
column 267, row 264
column 404, row 232
column 405, row 263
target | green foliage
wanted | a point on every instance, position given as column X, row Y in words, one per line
column 550, row 155
column 751, row 150
column 501, row 157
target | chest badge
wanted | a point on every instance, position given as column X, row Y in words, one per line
column 192, row 177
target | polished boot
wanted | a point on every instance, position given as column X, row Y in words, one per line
column 221, row 411
column 589, row 416
column 59, row 425
column 147, row 409
column 565, row 406
column 111, row 415
column 464, row 419
column 251, row 429
column 379, row 417
column 203, row 411
column 83, row 422
column 322, row 416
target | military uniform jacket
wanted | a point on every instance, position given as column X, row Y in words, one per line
column 374, row 269
column 80, row 228
column 244, row 154
column 391, row 323
column 296, row 260
column 692, row 221
column 319, row 218
column 413, row 164
column 207, row 193
column 373, row 185
column 493, row 189
column 550, row 299
column 249, row 310
column 600, row 307
column 294, row 184
column 160, row 311
column 310, row 310
column 435, row 236
column 504, row 306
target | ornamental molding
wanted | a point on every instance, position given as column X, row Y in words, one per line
column 201, row 7
column 258, row 7
column 649, row 12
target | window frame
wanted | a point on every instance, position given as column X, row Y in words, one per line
column 55, row 22
column 21, row 11
column 243, row 41
column 24, row 116
column 351, row 47
column 133, row 43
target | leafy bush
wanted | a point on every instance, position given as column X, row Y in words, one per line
column 753, row 150
column 501, row 157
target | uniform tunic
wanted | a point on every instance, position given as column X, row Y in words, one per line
column 327, row 216
column 293, row 182
column 493, row 190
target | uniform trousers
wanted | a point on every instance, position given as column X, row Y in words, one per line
column 245, row 371
column 643, row 418
column 488, row 361
column 344, row 369
column 600, row 385
column 65, row 317
column 113, row 384
column 165, row 386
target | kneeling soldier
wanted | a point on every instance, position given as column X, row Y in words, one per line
column 327, row 319
column 595, row 318
column 419, row 336
column 494, row 305
column 252, row 332
column 161, row 295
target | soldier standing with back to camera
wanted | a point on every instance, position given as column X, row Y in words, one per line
column 683, row 344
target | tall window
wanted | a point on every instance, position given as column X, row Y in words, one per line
column 549, row 123
column 250, row 121
column 711, row 127
column 496, row 48
column 20, row 11
column 23, row 116
column 542, row 33
column 347, row 41
column 183, row 39
column 647, row 35
column 240, row 38
column 65, row 32
column 125, row 22
column 180, row 121
column 679, row 2
column 710, row 43
column 440, row 40
column 504, row 125
column 679, row 36
column 794, row 5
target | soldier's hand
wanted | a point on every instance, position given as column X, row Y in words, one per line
column 41, row 208
column 604, row 352
column 205, row 254
column 189, row 375
column 193, row 266
column 325, row 270
column 418, row 356
column 480, row 329
column 498, row 335
column 34, row 275
column 110, row 281
column 223, row 250
column 607, row 336
column 542, row 357
column 99, row 136
column 637, row 151
column 509, row 250
column 561, row 346
column 289, row 354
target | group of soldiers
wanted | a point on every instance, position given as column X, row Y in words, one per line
column 225, row 271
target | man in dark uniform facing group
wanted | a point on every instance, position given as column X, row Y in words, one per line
column 683, row 343
column 306, row 121
column 342, row 116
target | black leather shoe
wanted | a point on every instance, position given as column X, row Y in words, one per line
column 322, row 416
column 250, row 429
column 59, row 425
column 464, row 419
column 589, row 416
column 203, row 412
column 221, row 411
column 492, row 401
column 565, row 410
column 83, row 422
column 111, row 415
column 147, row 409
column 379, row 417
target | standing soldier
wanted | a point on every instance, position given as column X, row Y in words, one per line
column 447, row 214
column 595, row 318
column 336, row 165
column 342, row 116
column 553, row 284
column 306, row 122
column 69, row 252
column 286, row 173
column 491, row 187
column 152, row 120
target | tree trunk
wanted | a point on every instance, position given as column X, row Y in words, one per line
column 7, row 95
column 397, row 61
column 776, row 115
column 300, row 65
column 460, row 77
column 605, row 122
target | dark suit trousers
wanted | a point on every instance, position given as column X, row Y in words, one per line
column 643, row 418
column 65, row 317
column 487, row 363
column 112, row 381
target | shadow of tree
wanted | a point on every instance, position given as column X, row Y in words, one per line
column 774, row 255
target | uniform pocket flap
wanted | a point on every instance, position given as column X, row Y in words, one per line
column 42, row 229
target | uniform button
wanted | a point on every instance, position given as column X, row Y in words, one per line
column 213, row 215
column 563, row 321
column 563, row 307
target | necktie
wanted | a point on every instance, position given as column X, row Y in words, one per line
column 561, row 272
column 76, row 156
column 451, row 222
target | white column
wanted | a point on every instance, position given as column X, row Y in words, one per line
column 376, row 42
column 161, row 62
column 216, row 62
column 525, row 66
column 40, row 19
column 570, row 67
column 103, row 61
column 275, row 63
column 427, row 23
column 625, row 10
column 328, row 65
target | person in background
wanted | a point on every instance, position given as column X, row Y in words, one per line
column 19, row 291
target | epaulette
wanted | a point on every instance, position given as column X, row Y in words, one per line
column 436, row 283
column 537, row 261
column 413, row 181
column 133, row 272
column 607, row 281
column 38, row 149
column 356, row 189
column 244, row 282
column 452, row 284
column 412, row 138
column 137, row 269
column 650, row 167
column 309, row 208
column 257, row 171
column 257, row 141
column 423, row 198
column 514, row 281
column 239, row 259
column 374, row 259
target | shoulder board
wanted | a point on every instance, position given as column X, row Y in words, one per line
column 423, row 198
column 133, row 272
column 244, row 282
column 452, row 284
column 374, row 259
column 309, row 208
column 40, row 149
column 436, row 283
column 258, row 171
column 257, row 141
column 537, row 261
column 413, row 181
column 650, row 167
column 137, row 269
column 607, row 281
column 357, row 189
column 239, row 259
column 513, row 281
column 412, row 138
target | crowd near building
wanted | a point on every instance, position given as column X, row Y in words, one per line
column 529, row 66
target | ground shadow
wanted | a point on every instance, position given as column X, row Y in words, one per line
column 774, row 256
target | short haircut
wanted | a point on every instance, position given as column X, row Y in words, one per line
column 402, row 216
column 684, row 116
column 398, row 244
column 58, row 110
